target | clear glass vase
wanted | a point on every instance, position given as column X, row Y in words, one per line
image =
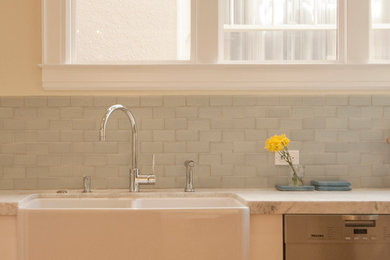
column 297, row 175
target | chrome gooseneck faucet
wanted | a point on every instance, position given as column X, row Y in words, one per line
column 135, row 173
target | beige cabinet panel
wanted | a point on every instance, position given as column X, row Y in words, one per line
column 8, row 238
column 266, row 237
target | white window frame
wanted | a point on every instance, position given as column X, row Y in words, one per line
column 353, row 70
column 381, row 26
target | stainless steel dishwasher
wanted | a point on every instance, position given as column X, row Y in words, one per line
column 337, row 237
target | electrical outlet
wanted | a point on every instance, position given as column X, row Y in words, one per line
column 294, row 155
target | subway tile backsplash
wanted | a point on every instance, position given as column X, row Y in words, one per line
column 51, row 142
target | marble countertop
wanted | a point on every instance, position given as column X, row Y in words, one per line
column 260, row 201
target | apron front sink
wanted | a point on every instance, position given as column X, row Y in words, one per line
column 134, row 228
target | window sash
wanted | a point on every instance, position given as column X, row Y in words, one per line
column 232, row 26
column 379, row 53
column 71, row 49
column 57, row 43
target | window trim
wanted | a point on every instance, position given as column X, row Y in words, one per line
column 352, row 72
column 217, row 77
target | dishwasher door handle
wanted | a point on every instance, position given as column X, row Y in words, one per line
column 359, row 217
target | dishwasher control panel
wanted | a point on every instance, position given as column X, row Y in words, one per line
column 364, row 229
column 336, row 237
column 337, row 228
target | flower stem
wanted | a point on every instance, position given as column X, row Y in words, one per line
column 295, row 177
column 285, row 155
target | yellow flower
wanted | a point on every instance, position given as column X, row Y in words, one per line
column 277, row 143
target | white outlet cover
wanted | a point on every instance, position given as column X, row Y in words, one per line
column 294, row 154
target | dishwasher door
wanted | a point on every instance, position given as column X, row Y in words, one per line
column 337, row 237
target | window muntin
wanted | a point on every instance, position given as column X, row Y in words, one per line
column 280, row 30
column 380, row 30
column 120, row 32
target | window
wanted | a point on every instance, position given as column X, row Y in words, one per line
column 280, row 30
column 380, row 34
column 120, row 32
column 216, row 44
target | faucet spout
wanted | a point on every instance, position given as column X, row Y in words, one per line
column 135, row 174
column 103, row 126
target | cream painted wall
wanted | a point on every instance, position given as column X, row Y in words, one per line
column 20, row 54
column 20, row 47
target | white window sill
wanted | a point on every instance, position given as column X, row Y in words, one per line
column 217, row 77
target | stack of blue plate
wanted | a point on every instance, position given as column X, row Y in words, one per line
column 294, row 188
column 331, row 185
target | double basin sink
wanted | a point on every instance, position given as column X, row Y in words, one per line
column 141, row 228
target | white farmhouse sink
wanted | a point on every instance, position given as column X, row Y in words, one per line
column 134, row 228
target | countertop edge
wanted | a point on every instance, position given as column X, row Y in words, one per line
column 259, row 201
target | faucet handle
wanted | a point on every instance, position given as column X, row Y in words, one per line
column 149, row 178
column 136, row 178
column 146, row 179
